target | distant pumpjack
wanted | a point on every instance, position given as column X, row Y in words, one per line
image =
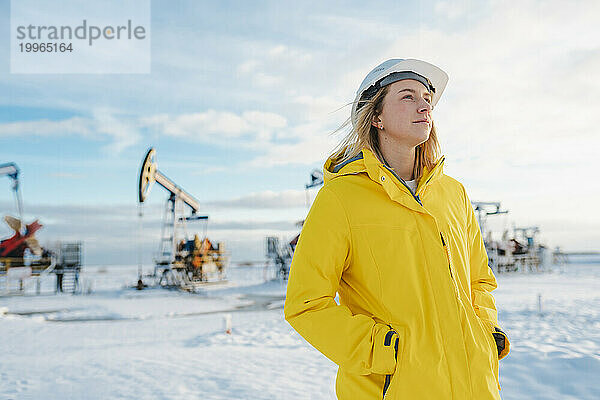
column 181, row 262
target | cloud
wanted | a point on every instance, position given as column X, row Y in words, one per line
column 124, row 133
column 213, row 126
column 274, row 142
column 264, row 200
column 103, row 125
column 452, row 10
column 312, row 145
column 261, row 79
column 45, row 127
column 275, row 67
column 321, row 107
column 248, row 67
column 253, row 127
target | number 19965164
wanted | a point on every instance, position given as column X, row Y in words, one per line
column 46, row 47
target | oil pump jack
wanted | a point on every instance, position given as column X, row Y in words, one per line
column 13, row 249
column 519, row 252
column 22, row 257
column 181, row 262
column 281, row 253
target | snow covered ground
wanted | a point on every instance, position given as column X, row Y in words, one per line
column 119, row 343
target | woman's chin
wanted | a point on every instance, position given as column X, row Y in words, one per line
column 421, row 138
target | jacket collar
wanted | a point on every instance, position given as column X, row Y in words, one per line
column 366, row 162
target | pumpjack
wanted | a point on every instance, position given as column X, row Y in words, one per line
column 280, row 253
column 520, row 251
column 22, row 257
column 181, row 262
column 15, row 249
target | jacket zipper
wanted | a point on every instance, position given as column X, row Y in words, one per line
column 447, row 256
column 388, row 336
column 416, row 197
column 387, row 342
column 449, row 264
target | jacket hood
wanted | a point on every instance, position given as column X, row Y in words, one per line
column 367, row 162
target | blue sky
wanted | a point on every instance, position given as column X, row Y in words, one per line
column 242, row 98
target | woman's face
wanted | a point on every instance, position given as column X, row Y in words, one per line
column 405, row 106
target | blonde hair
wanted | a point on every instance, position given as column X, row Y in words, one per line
column 364, row 135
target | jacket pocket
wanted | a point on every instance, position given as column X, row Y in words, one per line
column 399, row 344
column 493, row 348
column 389, row 337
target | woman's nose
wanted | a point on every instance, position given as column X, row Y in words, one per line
column 425, row 108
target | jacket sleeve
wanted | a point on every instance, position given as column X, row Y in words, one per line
column 357, row 343
column 483, row 281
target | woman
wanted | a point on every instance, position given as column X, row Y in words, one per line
column 399, row 241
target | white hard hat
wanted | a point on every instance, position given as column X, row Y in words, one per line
column 397, row 69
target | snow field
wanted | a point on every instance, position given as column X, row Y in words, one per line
column 119, row 343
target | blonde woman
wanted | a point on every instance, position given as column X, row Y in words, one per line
column 398, row 240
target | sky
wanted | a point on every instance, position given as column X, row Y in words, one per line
column 242, row 100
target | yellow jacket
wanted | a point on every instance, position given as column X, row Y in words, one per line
column 415, row 314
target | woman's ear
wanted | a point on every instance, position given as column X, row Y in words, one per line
column 376, row 122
